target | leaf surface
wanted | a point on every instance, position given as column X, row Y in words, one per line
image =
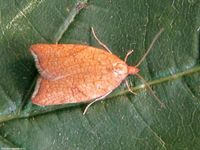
column 123, row 120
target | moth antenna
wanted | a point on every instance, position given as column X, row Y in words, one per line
column 150, row 89
column 150, row 47
column 100, row 43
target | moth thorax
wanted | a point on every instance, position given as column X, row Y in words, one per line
column 120, row 68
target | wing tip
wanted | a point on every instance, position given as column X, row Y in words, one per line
column 37, row 87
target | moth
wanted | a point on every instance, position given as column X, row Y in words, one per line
column 75, row 73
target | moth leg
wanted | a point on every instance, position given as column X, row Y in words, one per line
column 127, row 55
column 101, row 43
column 129, row 88
column 98, row 99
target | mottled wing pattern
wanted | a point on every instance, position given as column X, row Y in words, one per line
column 73, row 73
column 56, row 61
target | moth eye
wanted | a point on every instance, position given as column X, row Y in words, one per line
column 120, row 68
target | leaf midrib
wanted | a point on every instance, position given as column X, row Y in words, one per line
column 140, row 87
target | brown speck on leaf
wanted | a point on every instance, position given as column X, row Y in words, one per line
column 81, row 5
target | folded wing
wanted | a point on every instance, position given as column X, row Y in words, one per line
column 73, row 73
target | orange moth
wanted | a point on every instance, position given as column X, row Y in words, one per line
column 74, row 73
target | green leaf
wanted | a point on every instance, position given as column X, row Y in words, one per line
column 122, row 120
